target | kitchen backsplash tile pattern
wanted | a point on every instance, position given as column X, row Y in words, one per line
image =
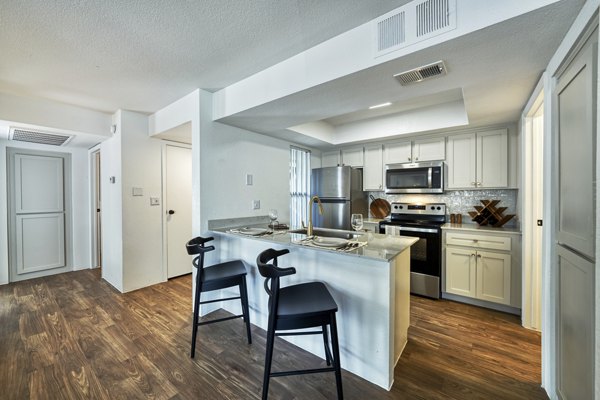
column 461, row 201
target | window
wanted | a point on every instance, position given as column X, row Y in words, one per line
column 299, row 186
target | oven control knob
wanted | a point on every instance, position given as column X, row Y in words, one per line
column 439, row 208
column 400, row 207
column 432, row 207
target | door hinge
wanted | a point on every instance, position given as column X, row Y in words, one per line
column 540, row 222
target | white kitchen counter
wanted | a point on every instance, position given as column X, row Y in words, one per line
column 486, row 228
column 370, row 285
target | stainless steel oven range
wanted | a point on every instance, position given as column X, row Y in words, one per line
column 425, row 222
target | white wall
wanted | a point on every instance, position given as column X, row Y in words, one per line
column 46, row 113
column 142, row 223
column 227, row 154
column 80, row 223
column 111, row 203
column 131, row 227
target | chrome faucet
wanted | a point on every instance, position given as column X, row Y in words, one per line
column 309, row 228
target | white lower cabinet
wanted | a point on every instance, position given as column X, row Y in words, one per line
column 482, row 267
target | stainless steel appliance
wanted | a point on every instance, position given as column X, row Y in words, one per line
column 423, row 221
column 423, row 177
column 340, row 191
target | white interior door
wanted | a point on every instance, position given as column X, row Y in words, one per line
column 178, row 206
column 37, row 239
column 575, row 247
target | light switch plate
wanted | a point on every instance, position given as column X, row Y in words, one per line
column 256, row 204
column 249, row 179
column 154, row 201
column 137, row 191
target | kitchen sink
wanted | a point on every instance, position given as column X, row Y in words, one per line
column 332, row 233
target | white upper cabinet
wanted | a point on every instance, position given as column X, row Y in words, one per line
column 373, row 168
column 398, row 153
column 353, row 157
column 478, row 160
column 492, row 159
column 429, row 150
column 419, row 150
column 330, row 158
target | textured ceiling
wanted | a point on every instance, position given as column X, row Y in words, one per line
column 142, row 55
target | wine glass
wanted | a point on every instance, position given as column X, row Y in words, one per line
column 273, row 215
column 356, row 221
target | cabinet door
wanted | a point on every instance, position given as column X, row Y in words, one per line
column 330, row 158
column 397, row 153
column 373, row 169
column 460, row 272
column 429, row 150
column 493, row 277
column 492, row 159
column 352, row 157
column 461, row 162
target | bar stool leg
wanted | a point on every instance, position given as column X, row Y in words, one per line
column 336, row 357
column 245, row 307
column 268, row 359
column 325, row 344
column 196, row 310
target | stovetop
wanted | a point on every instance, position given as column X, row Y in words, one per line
column 411, row 214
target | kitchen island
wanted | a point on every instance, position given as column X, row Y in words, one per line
column 370, row 285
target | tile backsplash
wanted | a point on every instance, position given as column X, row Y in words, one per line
column 461, row 201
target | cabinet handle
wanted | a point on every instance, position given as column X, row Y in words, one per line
column 477, row 183
column 475, row 241
column 478, row 255
column 473, row 183
column 408, row 158
column 416, row 158
column 472, row 254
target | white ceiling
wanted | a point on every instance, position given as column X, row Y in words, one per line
column 143, row 55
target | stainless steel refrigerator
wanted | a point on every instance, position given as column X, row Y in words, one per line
column 340, row 191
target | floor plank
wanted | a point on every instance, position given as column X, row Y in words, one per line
column 73, row 336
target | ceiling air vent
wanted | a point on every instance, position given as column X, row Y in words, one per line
column 391, row 31
column 415, row 22
column 422, row 73
column 433, row 16
column 53, row 139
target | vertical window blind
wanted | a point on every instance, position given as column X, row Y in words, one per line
column 299, row 186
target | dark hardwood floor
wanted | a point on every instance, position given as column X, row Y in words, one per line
column 73, row 336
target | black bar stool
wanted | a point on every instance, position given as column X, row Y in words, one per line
column 218, row 276
column 305, row 305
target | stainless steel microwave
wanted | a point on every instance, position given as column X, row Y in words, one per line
column 423, row 177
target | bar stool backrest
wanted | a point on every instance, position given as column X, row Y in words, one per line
column 197, row 246
column 272, row 273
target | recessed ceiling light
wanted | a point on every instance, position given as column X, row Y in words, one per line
column 380, row 105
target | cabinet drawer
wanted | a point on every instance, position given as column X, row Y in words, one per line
column 478, row 241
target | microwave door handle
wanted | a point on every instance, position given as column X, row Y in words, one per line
column 429, row 177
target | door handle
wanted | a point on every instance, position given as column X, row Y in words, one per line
column 171, row 212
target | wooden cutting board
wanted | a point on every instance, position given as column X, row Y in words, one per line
column 380, row 208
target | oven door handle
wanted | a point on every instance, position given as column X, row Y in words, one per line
column 411, row 229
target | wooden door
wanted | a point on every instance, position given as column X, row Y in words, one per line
column 492, row 159
column 37, row 213
column 461, row 161
column 493, row 277
column 178, row 206
column 461, row 272
column 575, row 228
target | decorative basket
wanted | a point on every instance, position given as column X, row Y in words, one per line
column 489, row 214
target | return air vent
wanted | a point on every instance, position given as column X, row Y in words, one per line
column 422, row 73
column 432, row 16
column 53, row 139
column 391, row 31
column 412, row 23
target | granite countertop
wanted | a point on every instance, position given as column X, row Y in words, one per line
column 376, row 246
column 477, row 228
